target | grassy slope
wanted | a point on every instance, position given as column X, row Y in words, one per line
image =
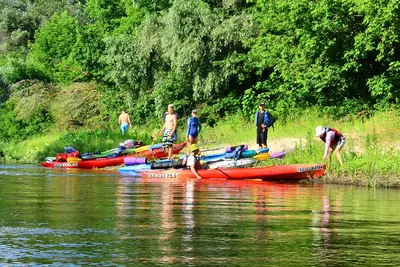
column 370, row 155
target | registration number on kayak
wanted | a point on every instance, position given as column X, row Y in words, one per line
column 163, row 175
column 313, row 168
column 62, row 165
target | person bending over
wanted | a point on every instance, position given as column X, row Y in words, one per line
column 334, row 142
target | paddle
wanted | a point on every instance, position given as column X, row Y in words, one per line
column 224, row 173
column 262, row 156
column 74, row 160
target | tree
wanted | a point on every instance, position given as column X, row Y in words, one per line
column 53, row 47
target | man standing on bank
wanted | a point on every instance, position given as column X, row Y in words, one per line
column 262, row 120
column 124, row 122
column 169, row 130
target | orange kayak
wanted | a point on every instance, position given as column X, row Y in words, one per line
column 279, row 172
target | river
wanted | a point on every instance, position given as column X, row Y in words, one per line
column 51, row 217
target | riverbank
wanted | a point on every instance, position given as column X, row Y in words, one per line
column 370, row 155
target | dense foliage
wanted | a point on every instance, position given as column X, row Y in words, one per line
column 219, row 56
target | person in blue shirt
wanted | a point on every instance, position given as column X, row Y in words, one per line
column 193, row 129
column 262, row 120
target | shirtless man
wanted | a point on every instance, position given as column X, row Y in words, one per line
column 124, row 122
column 169, row 130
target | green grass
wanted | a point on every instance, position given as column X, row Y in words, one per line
column 370, row 155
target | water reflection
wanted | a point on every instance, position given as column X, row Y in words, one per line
column 188, row 205
column 105, row 219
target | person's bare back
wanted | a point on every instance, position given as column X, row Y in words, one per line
column 124, row 121
column 124, row 118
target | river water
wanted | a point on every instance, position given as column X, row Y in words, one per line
column 51, row 217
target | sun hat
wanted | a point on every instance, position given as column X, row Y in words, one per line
column 170, row 106
column 194, row 147
column 319, row 130
column 262, row 104
column 194, row 111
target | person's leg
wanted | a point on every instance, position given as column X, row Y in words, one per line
column 258, row 139
column 124, row 128
column 167, row 143
column 170, row 152
column 337, row 152
column 173, row 140
column 191, row 141
column 264, row 139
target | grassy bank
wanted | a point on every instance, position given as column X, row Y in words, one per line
column 370, row 155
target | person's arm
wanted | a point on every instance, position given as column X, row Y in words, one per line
column 162, row 129
column 330, row 135
column 119, row 120
column 256, row 118
column 191, row 162
column 129, row 120
column 194, row 171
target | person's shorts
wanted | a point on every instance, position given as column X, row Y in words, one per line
column 124, row 127
column 339, row 144
column 167, row 140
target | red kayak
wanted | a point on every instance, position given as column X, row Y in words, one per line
column 279, row 172
column 107, row 162
column 86, row 164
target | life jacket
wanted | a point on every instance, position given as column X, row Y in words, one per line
column 337, row 137
column 197, row 163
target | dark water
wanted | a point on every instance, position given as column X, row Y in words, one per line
column 101, row 218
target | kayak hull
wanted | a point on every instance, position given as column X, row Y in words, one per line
column 279, row 172
column 85, row 164
column 108, row 162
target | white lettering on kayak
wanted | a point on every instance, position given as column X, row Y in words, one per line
column 162, row 175
column 313, row 168
column 62, row 165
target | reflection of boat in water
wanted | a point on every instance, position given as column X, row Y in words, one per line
column 278, row 172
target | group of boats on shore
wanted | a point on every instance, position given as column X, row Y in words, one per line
column 147, row 161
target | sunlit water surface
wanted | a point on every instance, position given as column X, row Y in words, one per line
column 52, row 217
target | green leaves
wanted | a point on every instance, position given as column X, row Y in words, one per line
column 53, row 45
column 145, row 54
column 324, row 51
